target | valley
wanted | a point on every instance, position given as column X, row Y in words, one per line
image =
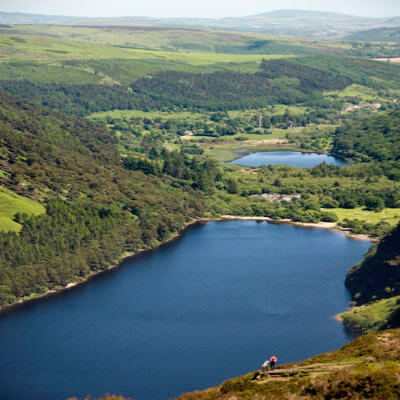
column 115, row 139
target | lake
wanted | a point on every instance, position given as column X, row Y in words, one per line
column 294, row 158
column 211, row 305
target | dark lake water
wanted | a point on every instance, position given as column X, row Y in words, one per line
column 294, row 158
column 212, row 305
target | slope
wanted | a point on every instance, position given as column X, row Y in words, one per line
column 95, row 208
column 378, row 276
column 377, row 35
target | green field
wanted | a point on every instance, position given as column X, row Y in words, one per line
column 390, row 215
column 174, row 40
column 373, row 317
column 278, row 109
column 21, row 48
column 363, row 92
column 127, row 114
column 54, row 60
column 10, row 204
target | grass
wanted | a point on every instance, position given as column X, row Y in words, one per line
column 127, row 114
column 20, row 47
column 390, row 215
column 373, row 317
column 10, row 204
column 278, row 109
column 362, row 92
column 226, row 153
column 251, row 142
column 175, row 40
column 47, row 59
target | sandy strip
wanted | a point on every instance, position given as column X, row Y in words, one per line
column 320, row 225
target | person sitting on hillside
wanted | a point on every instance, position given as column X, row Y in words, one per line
column 263, row 372
column 265, row 366
column 272, row 362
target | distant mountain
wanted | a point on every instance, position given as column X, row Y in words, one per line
column 376, row 35
column 313, row 24
column 22, row 18
column 302, row 23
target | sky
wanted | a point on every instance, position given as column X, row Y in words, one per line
column 197, row 8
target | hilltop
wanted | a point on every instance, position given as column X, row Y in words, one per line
column 283, row 22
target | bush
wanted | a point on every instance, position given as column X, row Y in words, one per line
column 329, row 216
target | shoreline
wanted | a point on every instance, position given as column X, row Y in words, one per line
column 244, row 151
column 320, row 225
column 332, row 226
column 117, row 264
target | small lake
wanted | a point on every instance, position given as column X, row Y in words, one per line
column 209, row 306
column 293, row 158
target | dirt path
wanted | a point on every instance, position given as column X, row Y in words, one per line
column 285, row 374
column 393, row 60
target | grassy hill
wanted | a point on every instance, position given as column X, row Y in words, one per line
column 105, row 68
column 377, row 276
column 377, row 35
column 168, row 39
column 12, row 204
column 283, row 22
column 374, row 285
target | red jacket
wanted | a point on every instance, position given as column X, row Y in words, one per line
column 273, row 359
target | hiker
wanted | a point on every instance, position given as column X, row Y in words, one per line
column 260, row 374
column 265, row 366
column 272, row 362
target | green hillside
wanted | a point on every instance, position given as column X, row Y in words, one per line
column 95, row 208
column 377, row 35
column 12, row 204
column 284, row 22
column 374, row 317
column 107, row 68
column 377, row 276
column 167, row 39
column 374, row 286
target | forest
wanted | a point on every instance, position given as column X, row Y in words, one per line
column 95, row 209
column 294, row 81
column 132, row 175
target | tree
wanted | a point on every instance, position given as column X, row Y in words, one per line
column 232, row 186
column 374, row 203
